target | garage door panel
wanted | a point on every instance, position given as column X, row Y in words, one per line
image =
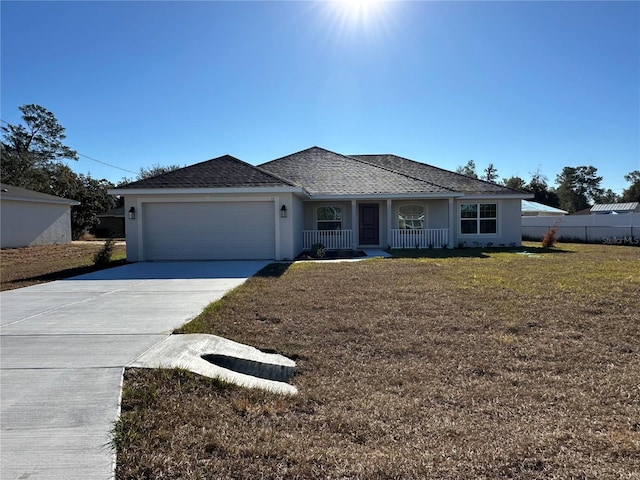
column 217, row 231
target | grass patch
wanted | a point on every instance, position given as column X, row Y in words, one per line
column 26, row 266
column 495, row 366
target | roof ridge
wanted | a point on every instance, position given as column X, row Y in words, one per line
column 224, row 161
column 298, row 153
column 444, row 170
column 350, row 157
column 277, row 177
column 401, row 173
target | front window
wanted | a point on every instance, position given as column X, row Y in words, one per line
column 329, row 218
column 411, row 217
column 478, row 218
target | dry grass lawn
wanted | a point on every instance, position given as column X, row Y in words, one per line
column 495, row 365
column 21, row 267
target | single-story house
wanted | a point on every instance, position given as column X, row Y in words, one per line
column 228, row 209
column 535, row 209
column 110, row 223
column 33, row 218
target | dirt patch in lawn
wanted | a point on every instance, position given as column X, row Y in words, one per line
column 500, row 366
column 21, row 267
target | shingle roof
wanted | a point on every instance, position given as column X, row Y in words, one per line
column 438, row 176
column 221, row 172
column 9, row 192
column 322, row 172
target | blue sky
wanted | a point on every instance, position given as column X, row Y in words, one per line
column 522, row 85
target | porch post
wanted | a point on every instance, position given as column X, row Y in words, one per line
column 452, row 222
column 389, row 221
column 354, row 225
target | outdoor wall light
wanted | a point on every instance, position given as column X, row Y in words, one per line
column 283, row 211
column 132, row 213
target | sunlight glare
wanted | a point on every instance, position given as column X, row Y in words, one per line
column 359, row 11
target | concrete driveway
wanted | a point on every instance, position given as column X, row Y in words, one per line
column 63, row 347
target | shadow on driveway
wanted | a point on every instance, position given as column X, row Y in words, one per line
column 183, row 270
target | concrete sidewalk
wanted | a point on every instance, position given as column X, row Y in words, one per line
column 63, row 347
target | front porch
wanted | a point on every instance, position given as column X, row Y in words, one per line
column 358, row 224
column 398, row 238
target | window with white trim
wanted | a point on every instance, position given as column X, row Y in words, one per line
column 478, row 218
column 411, row 217
column 329, row 218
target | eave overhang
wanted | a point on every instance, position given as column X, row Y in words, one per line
column 489, row 196
column 62, row 201
column 207, row 191
column 384, row 196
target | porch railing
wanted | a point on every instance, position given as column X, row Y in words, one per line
column 331, row 239
column 424, row 238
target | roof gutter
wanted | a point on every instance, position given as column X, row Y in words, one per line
column 62, row 201
column 206, row 191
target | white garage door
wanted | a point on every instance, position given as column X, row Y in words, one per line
column 209, row 231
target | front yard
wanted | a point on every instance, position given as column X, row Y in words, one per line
column 496, row 365
column 22, row 267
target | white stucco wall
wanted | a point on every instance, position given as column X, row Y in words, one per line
column 297, row 225
column 34, row 223
column 438, row 214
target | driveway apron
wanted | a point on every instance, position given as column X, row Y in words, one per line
column 63, row 348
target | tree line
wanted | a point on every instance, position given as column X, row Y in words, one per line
column 577, row 188
column 32, row 152
column 31, row 157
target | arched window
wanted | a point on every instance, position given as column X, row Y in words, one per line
column 411, row 217
column 329, row 218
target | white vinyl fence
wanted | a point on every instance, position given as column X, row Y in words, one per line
column 622, row 229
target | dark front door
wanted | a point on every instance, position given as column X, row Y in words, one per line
column 369, row 224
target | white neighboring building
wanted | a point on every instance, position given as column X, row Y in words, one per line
column 33, row 218
column 536, row 209
column 615, row 208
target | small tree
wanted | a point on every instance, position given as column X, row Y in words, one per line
column 577, row 186
column 31, row 150
column 541, row 192
column 103, row 256
column 632, row 194
column 515, row 183
column 490, row 173
column 152, row 171
column 94, row 199
column 468, row 170
column 549, row 239
column 607, row 196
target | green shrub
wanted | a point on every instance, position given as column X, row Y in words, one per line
column 318, row 251
column 103, row 256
